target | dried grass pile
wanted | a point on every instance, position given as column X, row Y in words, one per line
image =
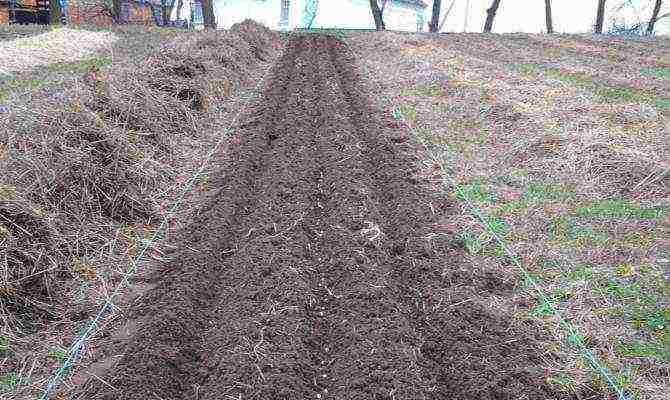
column 621, row 171
column 75, row 171
column 30, row 253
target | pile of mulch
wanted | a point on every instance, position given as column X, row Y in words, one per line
column 81, row 161
column 28, row 246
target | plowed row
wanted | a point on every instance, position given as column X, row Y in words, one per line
column 316, row 271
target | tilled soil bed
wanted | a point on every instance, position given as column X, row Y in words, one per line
column 316, row 271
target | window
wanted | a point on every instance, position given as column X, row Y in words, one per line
column 283, row 19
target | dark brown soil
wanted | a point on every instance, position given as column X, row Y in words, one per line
column 314, row 271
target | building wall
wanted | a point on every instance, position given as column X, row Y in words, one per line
column 4, row 14
column 140, row 15
column 82, row 12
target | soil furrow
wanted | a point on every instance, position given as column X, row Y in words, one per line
column 316, row 272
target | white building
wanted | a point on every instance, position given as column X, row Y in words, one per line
column 402, row 15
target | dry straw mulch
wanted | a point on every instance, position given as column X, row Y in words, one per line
column 86, row 180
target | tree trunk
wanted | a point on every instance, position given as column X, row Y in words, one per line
column 547, row 12
column 55, row 12
column 208, row 17
column 180, row 5
column 654, row 17
column 434, row 22
column 384, row 2
column 490, row 14
column 116, row 11
column 377, row 14
column 165, row 11
column 600, row 17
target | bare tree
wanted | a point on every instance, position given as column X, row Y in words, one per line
column 446, row 14
column 378, row 15
column 166, row 6
column 115, row 11
column 547, row 12
column 433, row 26
column 437, row 5
column 654, row 17
column 490, row 15
column 384, row 2
column 55, row 12
column 179, row 4
column 111, row 8
column 208, row 17
column 600, row 17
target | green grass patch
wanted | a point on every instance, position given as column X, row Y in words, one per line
column 618, row 209
column 19, row 85
column 563, row 382
column 58, row 354
column 662, row 104
column 561, row 295
column 624, row 270
column 542, row 191
column 530, row 280
column 528, row 70
column 581, row 273
column 587, row 237
column 4, row 345
column 475, row 191
column 576, row 79
column 473, row 244
column 512, row 207
column 663, row 72
column 408, row 112
column 613, row 94
column 575, row 339
column 484, row 243
column 622, row 291
column 543, row 309
column 607, row 94
column 80, row 66
column 640, row 349
column 496, row 225
column 651, row 319
column 432, row 90
column 566, row 231
column 9, row 382
column 624, row 381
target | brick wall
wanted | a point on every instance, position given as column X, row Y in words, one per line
column 92, row 13
column 87, row 13
column 4, row 14
column 138, row 15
